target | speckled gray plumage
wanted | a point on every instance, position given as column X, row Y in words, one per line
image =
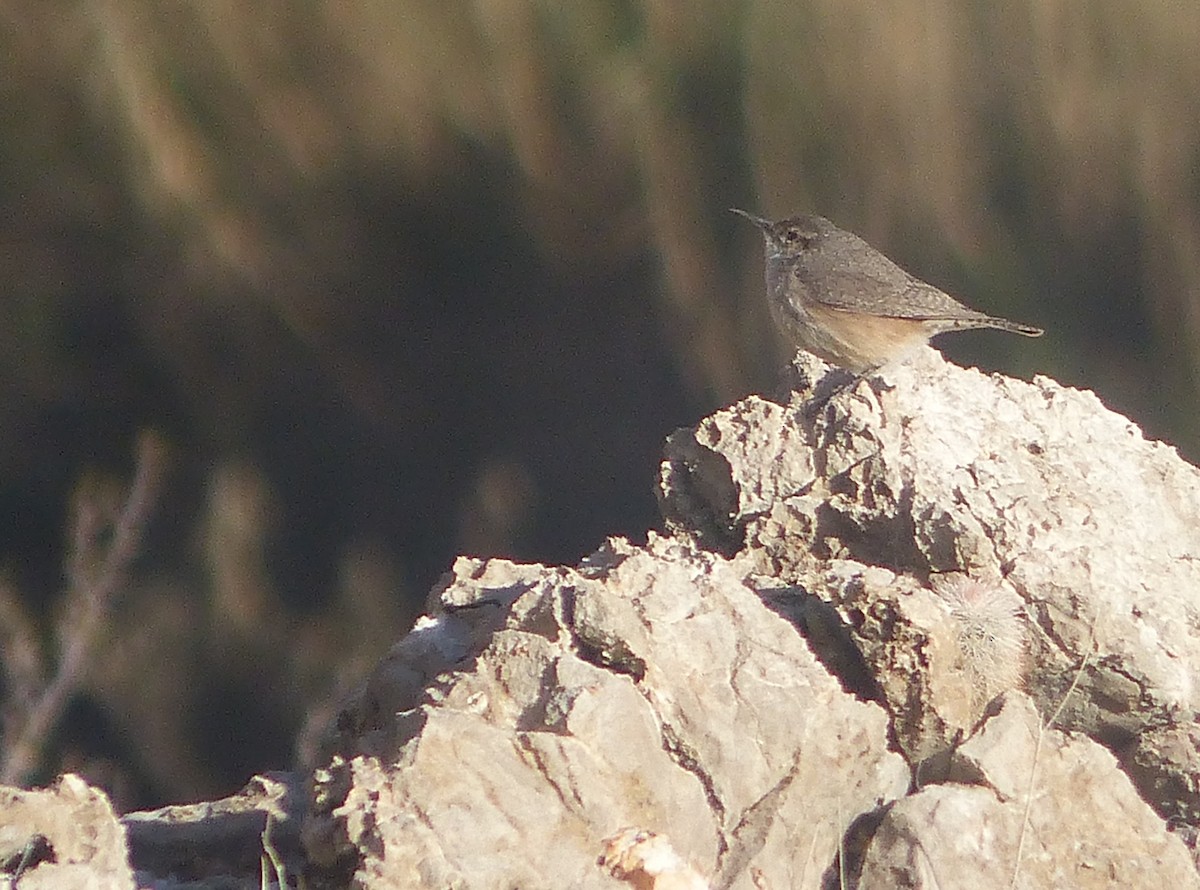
column 838, row 269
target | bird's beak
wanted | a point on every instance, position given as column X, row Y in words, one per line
column 764, row 224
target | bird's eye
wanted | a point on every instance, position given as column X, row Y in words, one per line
column 798, row 238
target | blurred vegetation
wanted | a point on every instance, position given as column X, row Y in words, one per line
column 396, row 280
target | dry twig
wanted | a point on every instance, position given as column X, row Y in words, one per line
column 102, row 550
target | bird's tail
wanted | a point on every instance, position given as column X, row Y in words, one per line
column 968, row 322
column 1004, row 324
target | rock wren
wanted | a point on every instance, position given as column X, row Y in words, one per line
column 834, row 295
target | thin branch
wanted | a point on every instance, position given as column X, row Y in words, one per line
column 90, row 595
column 20, row 657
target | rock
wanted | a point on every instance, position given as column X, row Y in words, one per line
column 706, row 708
column 62, row 838
column 645, row 860
column 942, row 631
column 68, row 837
column 650, row 688
column 223, row 840
column 1031, row 490
column 1042, row 809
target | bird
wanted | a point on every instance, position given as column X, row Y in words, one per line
column 837, row 297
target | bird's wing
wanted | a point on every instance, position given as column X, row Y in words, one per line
column 886, row 293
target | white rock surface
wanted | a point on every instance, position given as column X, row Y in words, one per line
column 932, row 545
column 1043, row 809
column 943, row 631
column 62, row 838
column 1031, row 487
column 650, row 688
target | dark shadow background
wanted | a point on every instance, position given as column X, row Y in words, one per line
column 401, row 281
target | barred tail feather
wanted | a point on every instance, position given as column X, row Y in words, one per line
column 1024, row 330
column 988, row 321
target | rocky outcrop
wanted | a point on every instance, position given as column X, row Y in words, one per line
column 940, row 631
column 898, row 500
column 651, row 687
column 945, row 619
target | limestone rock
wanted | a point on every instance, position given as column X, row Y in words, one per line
column 651, row 688
column 942, row 631
column 704, row 708
column 221, row 841
column 62, row 838
column 1043, row 809
column 1032, row 489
